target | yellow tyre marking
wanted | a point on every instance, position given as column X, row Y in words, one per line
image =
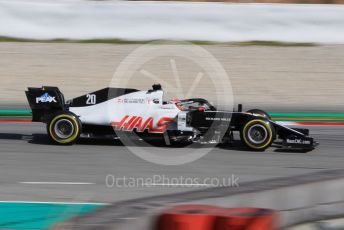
column 70, row 139
column 268, row 128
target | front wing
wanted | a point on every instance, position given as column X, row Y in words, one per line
column 293, row 138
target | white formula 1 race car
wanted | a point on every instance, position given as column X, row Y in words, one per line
column 112, row 111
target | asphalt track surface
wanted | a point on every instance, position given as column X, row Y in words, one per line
column 30, row 166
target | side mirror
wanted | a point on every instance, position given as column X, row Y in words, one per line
column 239, row 107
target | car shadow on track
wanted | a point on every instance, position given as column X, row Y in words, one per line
column 43, row 139
column 34, row 138
column 11, row 136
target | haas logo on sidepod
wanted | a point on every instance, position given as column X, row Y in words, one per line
column 135, row 122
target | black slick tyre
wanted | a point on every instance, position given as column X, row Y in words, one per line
column 257, row 134
column 64, row 128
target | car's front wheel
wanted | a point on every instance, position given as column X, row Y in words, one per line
column 64, row 128
column 257, row 134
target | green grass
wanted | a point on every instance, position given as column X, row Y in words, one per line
column 15, row 112
column 273, row 43
column 119, row 42
column 104, row 41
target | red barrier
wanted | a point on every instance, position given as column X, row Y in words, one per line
column 247, row 219
column 206, row 217
column 189, row 217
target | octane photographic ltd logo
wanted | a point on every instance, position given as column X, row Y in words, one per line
column 184, row 71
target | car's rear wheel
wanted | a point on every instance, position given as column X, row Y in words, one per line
column 257, row 134
column 64, row 128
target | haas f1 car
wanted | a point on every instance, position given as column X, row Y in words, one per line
column 113, row 111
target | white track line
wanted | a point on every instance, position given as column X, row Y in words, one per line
column 55, row 183
column 179, row 185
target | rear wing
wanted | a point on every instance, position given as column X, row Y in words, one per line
column 44, row 102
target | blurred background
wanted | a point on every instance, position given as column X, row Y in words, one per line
column 282, row 56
